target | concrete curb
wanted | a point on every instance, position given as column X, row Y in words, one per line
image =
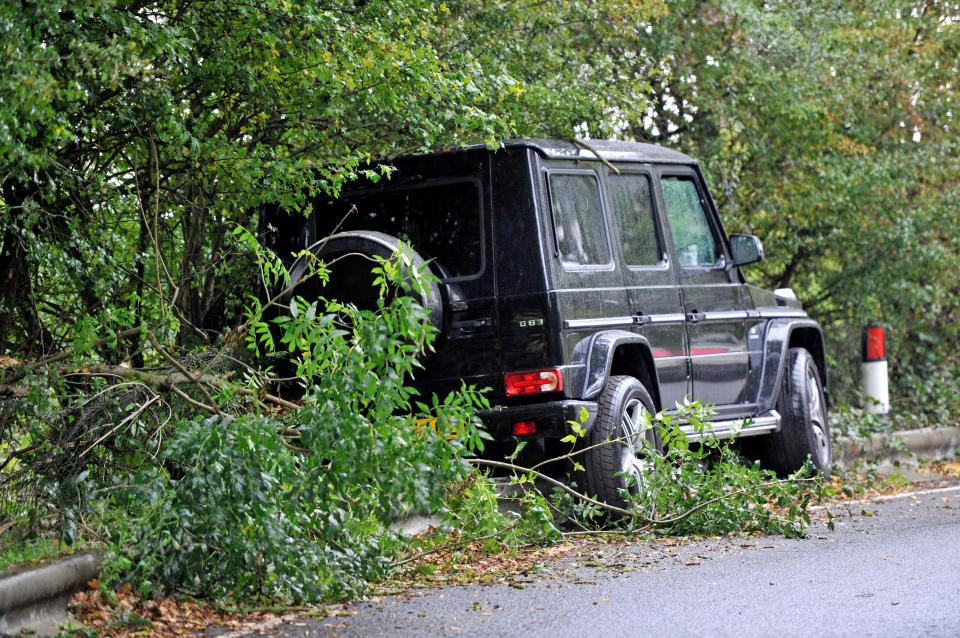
column 905, row 446
column 36, row 598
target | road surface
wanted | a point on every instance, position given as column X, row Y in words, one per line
column 890, row 568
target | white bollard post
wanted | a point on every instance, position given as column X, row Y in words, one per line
column 874, row 382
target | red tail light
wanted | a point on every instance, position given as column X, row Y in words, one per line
column 524, row 428
column 534, row 382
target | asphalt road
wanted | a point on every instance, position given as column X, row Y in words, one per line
column 891, row 571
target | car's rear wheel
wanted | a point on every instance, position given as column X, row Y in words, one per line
column 804, row 429
column 618, row 444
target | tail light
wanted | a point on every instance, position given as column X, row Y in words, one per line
column 533, row 382
column 524, row 428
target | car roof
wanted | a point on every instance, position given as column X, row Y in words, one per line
column 612, row 150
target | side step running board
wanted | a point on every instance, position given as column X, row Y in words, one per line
column 766, row 422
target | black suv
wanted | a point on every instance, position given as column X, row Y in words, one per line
column 592, row 277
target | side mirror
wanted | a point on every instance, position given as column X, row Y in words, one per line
column 746, row 249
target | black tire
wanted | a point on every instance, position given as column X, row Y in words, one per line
column 602, row 465
column 804, row 427
column 349, row 257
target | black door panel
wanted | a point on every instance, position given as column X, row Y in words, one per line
column 650, row 278
column 717, row 318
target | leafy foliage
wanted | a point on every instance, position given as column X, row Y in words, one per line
column 699, row 488
column 167, row 123
column 242, row 506
column 829, row 129
column 709, row 488
column 139, row 140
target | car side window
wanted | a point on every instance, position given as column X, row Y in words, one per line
column 578, row 219
column 693, row 239
column 630, row 196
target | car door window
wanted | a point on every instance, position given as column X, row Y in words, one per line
column 630, row 196
column 695, row 243
column 578, row 219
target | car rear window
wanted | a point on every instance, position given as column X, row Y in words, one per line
column 578, row 219
column 440, row 219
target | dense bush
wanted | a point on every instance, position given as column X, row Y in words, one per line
column 297, row 506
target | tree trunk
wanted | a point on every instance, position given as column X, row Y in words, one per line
column 21, row 329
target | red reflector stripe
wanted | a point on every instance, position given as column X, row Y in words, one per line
column 533, row 382
column 874, row 348
column 524, row 428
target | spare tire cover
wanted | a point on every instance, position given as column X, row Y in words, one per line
column 349, row 256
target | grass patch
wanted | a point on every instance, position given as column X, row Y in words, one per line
column 33, row 552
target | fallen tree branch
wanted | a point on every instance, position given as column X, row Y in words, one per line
column 563, row 486
column 17, row 392
column 170, row 381
column 197, row 404
column 580, row 450
column 159, row 381
column 459, row 543
column 66, row 354
column 584, row 145
column 269, row 397
column 176, row 364
column 619, row 510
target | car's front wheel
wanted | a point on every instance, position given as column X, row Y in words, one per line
column 615, row 457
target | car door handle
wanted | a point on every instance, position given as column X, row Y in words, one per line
column 695, row 317
column 641, row 319
column 473, row 326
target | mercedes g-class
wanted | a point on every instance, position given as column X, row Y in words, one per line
column 580, row 276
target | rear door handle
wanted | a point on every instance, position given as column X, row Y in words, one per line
column 695, row 317
column 473, row 326
column 641, row 319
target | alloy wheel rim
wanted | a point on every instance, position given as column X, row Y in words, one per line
column 818, row 421
column 634, row 432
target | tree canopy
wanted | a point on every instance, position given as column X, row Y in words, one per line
column 139, row 140
column 135, row 135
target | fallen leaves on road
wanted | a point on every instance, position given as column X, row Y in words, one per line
column 474, row 563
column 463, row 563
column 946, row 469
column 155, row 618
column 865, row 485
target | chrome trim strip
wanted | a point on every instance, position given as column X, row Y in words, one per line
column 767, row 422
column 677, row 317
column 599, row 322
column 614, row 322
column 782, row 312
column 725, row 315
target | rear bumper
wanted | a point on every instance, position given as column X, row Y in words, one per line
column 552, row 418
